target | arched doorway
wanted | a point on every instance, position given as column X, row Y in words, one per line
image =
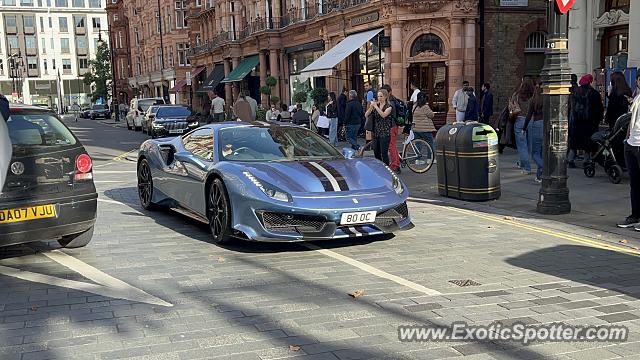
column 428, row 71
column 615, row 40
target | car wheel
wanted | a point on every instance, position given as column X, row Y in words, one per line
column 76, row 240
column 145, row 186
column 218, row 212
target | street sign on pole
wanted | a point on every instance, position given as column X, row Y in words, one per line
column 189, row 78
column 565, row 5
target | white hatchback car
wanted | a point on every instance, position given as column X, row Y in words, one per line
column 138, row 108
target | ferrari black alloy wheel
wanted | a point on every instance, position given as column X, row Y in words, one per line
column 145, row 185
column 218, row 212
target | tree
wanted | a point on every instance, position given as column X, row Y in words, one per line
column 99, row 73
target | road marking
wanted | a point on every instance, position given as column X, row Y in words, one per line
column 116, row 159
column 106, row 285
column 371, row 270
column 112, row 202
column 100, row 172
column 533, row 228
column 109, row 181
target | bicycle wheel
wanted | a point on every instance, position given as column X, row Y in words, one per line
column 419, row 156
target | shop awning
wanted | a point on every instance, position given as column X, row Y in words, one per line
column 213, row 79
column 196, row 71
column 243, row 69
column 324, row 65
column 178, row 86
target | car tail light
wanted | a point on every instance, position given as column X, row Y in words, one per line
column 83, row 168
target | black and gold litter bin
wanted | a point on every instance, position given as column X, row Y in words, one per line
column 467, row 161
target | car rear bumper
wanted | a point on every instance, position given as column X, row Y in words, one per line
column 75, row 215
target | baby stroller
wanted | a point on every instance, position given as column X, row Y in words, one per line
column 608, row 142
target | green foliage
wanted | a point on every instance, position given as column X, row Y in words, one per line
column 99, row 72
column 271, row 81
column 261, row 114
column 274, row 99
column 319, row 96
column 300, row 97
column 266, row 90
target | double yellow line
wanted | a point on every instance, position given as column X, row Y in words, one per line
column 557, row 234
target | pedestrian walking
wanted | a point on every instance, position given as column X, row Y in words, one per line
column 632, row 157
column 460, row 100
column 343, row 98
column 332, row 114
column 486, row 104
column 123, row 108
column 587, row 110
column 414, row 93
column 381, row 111
column 473, row 107
column 217, row 107
column 519, row 108
column 423, row 127
column 353, row 119
column 285, row 115
column 242, row 109
column 534, row 127
column 619, row 95
column 399, row 110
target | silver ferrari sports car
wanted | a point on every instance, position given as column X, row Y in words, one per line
column 271, row 182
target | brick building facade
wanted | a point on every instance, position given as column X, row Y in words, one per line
column 120, row 45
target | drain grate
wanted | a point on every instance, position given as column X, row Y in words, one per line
column 465, row 282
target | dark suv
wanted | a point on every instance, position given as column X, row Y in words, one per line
column 49, row 191
column 99, row 111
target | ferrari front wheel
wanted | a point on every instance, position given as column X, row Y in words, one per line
column 219, row 212
column 145, row 185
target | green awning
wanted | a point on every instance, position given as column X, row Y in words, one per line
column 214, row 79
column 243, row 69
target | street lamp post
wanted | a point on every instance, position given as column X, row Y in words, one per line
column 556, row 76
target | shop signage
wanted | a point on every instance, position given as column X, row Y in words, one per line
column 514, row 3
column 365, row 19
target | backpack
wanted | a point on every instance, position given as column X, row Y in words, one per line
column 401, row 111
column 580, row 106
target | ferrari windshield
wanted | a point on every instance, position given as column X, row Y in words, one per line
column 273, row 143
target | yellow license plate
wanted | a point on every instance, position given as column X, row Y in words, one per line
column 27, row 213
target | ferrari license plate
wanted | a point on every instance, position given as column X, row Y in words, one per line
column 354, row 218
column 176, row 131
column 27, row 213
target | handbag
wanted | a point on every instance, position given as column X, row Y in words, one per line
column 514, row 106
column 368, row 127
column 323, row 122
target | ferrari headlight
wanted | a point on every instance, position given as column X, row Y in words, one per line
column 269, row 190
column 397, row 184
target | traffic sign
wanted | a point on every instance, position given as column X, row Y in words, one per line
column 565, row 5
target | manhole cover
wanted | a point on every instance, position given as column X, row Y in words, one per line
column 466, row 282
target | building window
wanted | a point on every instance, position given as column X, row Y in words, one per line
column 45, row 67
column 79, row 21
column 53, row 64
column 28, row 21
column 62, row 3
column 50, row 22
column 30, row 42
column 138, row 66
column 119, row 44
column 159, row 57
column 64, row 26
column 623, row 5
column 198, row 3
column 26, row 2
column 183, row 49
column 66, row 66
column 32, row 63
column 83, row 63
column 78, row 3
column 41, row 24
column 137, row 35
column 10, row 21
column 181, row 12
column 95, row 4
column 116, row 17
column 12, row 42
column 43, row 41
column 51, row 43
column 534, row 56
column 95, row 22
column 81, row 42
column 157, row 22
column 64, row 45
column 9, row 3
column 427, row 43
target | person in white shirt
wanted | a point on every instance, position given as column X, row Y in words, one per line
column 217, row 107
column 414, row 94
column 460, row 100
column 632, row 157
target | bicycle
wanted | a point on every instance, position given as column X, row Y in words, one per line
column 417, row 154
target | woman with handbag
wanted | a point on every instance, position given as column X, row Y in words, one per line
column 381, row 111
column 518, row 109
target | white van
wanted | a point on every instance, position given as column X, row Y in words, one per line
column 138, row 108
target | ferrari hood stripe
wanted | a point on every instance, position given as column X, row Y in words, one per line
column 326, row 184
column 339, row 178
column 327, row 174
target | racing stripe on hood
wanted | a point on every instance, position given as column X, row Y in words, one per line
column 342, row 182
column 332, row 179
column 324, row 180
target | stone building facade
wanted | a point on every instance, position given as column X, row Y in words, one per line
column 120, row 45
column 430, row 42
column 158, row 42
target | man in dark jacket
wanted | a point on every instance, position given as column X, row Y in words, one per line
column 301, row 116
column 486, row 106
column 353, row 116
column 473, row 108
column 342, row 105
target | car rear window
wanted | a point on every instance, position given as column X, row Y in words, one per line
column 144, row 104
column 99, row 107
column 38, row 130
